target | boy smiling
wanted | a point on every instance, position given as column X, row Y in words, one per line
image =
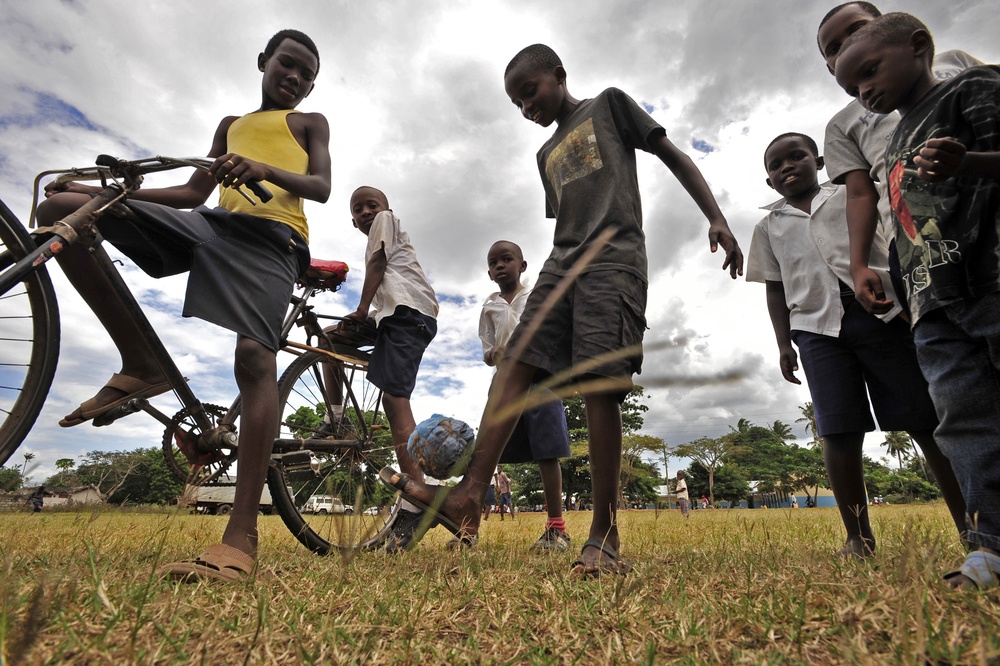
column 800, row 252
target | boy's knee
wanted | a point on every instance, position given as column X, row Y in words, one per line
column 59, row 205
column 254, row 361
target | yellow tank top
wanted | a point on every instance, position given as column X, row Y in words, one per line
column 264, row 137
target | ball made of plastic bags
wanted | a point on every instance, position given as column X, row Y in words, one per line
column 438, row 444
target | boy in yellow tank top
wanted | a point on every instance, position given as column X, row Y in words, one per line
column 243, row 261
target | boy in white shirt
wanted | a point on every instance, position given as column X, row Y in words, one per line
column 801, row 253
column 541, row 434
column 404, row 308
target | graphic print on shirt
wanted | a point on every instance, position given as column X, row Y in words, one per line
column 576, row 156
column 919, row 206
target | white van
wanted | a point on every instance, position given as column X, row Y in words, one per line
column 324, row 504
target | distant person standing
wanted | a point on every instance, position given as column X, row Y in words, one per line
column 38, row 500
column 681, row 490
column 504, row 498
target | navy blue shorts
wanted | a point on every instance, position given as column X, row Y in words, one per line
column 870, row 358
column 540, row 434
column 400, row 342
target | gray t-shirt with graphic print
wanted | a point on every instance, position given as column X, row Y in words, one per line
column 588, row 170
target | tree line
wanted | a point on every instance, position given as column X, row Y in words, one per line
column 721, row 468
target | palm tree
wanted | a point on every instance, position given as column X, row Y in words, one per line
column 782, row 431
column 809, row 417
column 897, row 443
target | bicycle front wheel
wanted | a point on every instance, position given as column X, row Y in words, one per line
column 324, row 470
column 29, row 339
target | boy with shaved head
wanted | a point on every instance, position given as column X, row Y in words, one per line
column 587, row 327
column 405, row 309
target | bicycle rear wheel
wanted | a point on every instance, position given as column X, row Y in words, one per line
column 334, row 462
column 29, row 339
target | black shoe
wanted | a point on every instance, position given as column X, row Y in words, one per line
column 404, row 528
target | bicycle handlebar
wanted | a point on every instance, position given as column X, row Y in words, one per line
column 131, row 171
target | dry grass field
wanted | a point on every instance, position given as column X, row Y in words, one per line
column 733, row 587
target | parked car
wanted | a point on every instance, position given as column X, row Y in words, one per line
column 325, row 504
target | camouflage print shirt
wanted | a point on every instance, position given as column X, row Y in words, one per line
column 947, row 232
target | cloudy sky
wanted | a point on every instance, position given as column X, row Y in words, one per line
column 414, row 95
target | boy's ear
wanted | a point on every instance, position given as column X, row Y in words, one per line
column 921, row 42
column 524, row 265
column 354, row 223
column 560, row 74
column 820, row 163
column 261, row 61
column 311, row 86
column 768, row 181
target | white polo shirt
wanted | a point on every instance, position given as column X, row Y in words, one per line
column 808, row 254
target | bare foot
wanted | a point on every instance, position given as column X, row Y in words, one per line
column 459, row 506
column 860, row 547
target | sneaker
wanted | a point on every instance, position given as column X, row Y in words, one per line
column 404, row 527
column 551, row 541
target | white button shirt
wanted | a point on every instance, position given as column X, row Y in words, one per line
column 808, row 254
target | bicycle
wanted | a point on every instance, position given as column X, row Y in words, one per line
column 314, row 454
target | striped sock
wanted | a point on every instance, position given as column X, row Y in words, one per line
column 556, row 523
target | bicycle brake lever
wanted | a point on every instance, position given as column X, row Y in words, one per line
column 259, row 190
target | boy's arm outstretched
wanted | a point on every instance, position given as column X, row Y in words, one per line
column 687, row 173
column 777, row 308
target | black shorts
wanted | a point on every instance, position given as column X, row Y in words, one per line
column 242, row 268
column 540, row 434
column 400, row 342
column 601, row 312
column 870, row 359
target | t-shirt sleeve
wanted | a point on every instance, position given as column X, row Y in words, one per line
column 487, row 331
column 841, row 153
column 981, row 109
column 382, row 234
column 762, row 265
column 635, row 125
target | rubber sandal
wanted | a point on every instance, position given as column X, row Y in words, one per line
column 386, row 475
column 218, row 562
column 616, row 566
column 132, row 387
column 980, row 567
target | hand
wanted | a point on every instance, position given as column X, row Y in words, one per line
column 69, row 186
column 789, row 363
column 351, row 320
column 232, row 170
column 940, row 159
column 720, row 234
column 869, row 292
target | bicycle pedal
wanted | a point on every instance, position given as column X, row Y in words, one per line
column 131, row 407
column 296, row 460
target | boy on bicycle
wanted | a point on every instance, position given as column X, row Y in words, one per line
column 243, row 261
